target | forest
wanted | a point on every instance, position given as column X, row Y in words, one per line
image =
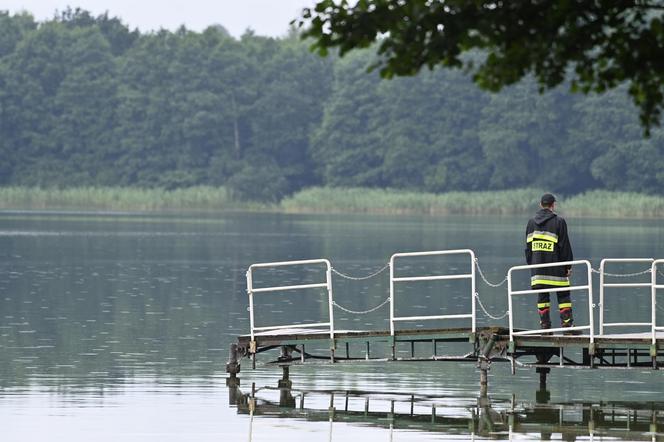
column 87, row 101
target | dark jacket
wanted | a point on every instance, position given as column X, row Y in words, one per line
column 547, row 241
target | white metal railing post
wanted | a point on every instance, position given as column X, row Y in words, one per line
column 394, row 279
column 330, row 299
column 590, row 303
column 392, row 295
column 587, row 287
column 251, row 290
column 601, row 297
column 653, row 300
column 473, row 262
column 510, row 309
column 603, row 285
column 251, row 302
column 655, row 287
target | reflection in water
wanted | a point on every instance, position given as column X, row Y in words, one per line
column 453, row 417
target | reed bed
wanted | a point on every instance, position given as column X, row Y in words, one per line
column 597, row 203
column 606, row 204
column 116, row 199
column 322, row 199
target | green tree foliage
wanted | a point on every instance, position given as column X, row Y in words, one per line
column 13, row 29
column 636, row 166
column 525, row 137
column 347, row 146
column 32, row 76
column 85, row 101
column 597, row 45
column 430, row 132
column 289, row 108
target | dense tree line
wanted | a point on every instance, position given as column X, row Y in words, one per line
column 87, row 101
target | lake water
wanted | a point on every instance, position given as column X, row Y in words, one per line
column 117, row 327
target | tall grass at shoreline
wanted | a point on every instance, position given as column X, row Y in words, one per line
column 322, row 199
column 598, row 203
column 606, row 204
column 117, row 199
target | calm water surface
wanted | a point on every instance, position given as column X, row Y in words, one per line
column 117, row 327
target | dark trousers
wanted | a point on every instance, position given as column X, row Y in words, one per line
column 544, row 306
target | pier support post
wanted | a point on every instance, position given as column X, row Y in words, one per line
column 286, row 355
column 484, row 378
column 484, row 362
column 542, row 395
column 285, row 381
column 286, row 398
column 234, row 393
column 233, row 367
column 543, row 371
column 237, row 399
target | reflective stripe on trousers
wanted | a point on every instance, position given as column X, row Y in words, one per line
column 558, row 281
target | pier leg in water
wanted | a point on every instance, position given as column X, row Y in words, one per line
column 488, row 417
column 484, row 379
column 234, row 394
column 238, row 399
column 286, row 398
column 233, row 367
column 484, row 363
column 285, row 382
column 542, row 395
column 543, row 371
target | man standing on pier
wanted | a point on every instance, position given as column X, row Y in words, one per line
column 547, row 242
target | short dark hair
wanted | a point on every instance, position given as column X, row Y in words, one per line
column 547, row 200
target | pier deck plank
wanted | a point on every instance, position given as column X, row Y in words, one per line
column 619, row 350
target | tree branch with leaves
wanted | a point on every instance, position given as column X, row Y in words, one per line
column 594, row 45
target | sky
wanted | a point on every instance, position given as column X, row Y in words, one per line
column 265, row 17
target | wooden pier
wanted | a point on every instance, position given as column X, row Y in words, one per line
column 482, row 347
column 578, row 347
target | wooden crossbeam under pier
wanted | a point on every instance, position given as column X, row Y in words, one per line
column 300, row 346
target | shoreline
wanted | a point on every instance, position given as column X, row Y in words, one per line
column 328, row 201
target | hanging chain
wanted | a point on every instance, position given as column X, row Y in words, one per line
column 481, row 273
column 363, row 312
column 623, row 275
column 479, row 301
column 496, row 318
column 361, row 278
column 479, row 270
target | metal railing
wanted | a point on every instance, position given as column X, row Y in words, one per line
column 588, row 287
column 654, row 288
column 603, row 285
column 327, row 284
column 470, row 276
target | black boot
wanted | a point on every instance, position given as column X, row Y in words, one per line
column 545, row 318
column 566, row 318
